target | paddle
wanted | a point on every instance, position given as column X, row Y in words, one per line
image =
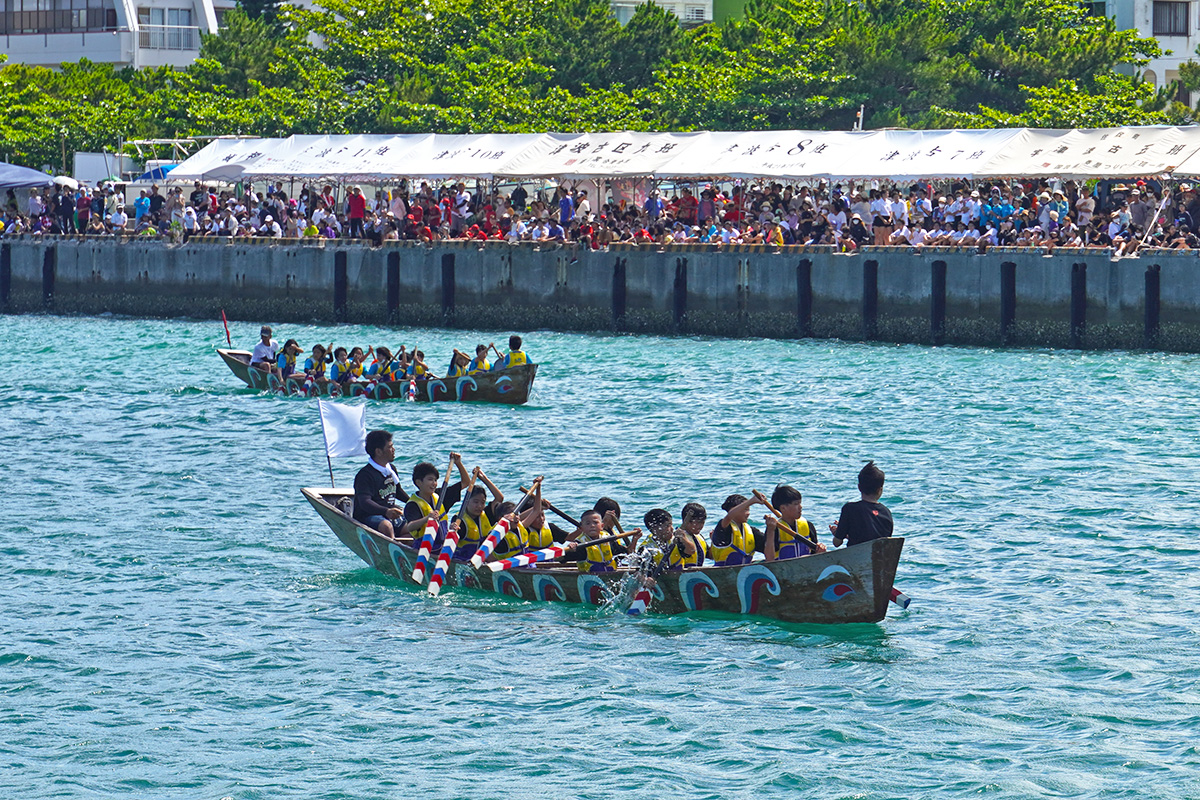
column 431, row 529
column 228, row 340
column 553, row 508
column 450, row 545
column 489, row 544
column 763, row 499
column 497, row 352
column 641, row 600
column 545, row 554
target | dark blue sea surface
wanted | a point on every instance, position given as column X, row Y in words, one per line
column 178, row 623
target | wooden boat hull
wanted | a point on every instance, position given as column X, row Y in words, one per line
column 850, row 584
column 509, row 386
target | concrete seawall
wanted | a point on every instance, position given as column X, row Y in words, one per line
column 1074, row 298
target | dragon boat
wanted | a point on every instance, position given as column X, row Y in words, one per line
column 509, row 386
column 852, row 584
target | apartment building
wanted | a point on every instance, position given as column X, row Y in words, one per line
column 128, row 33
column 1174, row 23
column 690, row 12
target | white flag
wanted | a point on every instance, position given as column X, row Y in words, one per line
column 345, row 429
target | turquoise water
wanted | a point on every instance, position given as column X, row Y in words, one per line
column 177, row 622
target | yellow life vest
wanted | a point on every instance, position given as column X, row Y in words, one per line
column 427, row 509
column 513, row 542
column 478, row 366
column 536, row 540
column 797, row 545
column 679, row 558
column 474, row 532
column 741, row 543
column 515, row 358
column 457, row 371
column 599, row 558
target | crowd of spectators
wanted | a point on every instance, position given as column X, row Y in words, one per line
column 847, row 217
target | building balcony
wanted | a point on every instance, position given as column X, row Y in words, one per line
column 168, row 37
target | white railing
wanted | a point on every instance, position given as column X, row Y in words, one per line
column 168, row 37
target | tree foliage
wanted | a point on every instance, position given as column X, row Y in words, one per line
column 376, row 66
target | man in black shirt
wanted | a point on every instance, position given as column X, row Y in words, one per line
column 866, row 519
column 377, row 486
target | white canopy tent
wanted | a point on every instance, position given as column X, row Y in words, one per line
column 1096, row 153
column 786, row 155
column 221, row 159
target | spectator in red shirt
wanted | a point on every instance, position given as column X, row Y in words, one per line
column 358, row 211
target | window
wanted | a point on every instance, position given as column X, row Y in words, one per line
column 694, row 14
column 1096, row 9
column 1170, row 19
column 56, row 16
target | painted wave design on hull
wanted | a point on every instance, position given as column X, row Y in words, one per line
column 591, row 589
column 400, row 560
column 547, row 589
column 465, row 576
column 464, row 384
column 507, row 585
column 693, row 587
column 750, row 583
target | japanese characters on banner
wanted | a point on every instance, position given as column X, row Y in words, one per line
column 466, row 155
column 911, row 155
column 222, row 159
column 1099, row 153
column 754, row 154
column 786, row 155
column 598, row 155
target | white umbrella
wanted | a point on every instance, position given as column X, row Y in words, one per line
column 70, row 183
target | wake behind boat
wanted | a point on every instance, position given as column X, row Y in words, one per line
column 509, row 385
column 845, row 585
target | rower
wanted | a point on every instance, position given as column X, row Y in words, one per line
column 416, row 367
column 680, row 548
column 479, row 364
column 420, row 507
column 478, row 514
column 286, row 362
column 458, row 364
column 265, row 352
column 733, row 540
column 535, row 531
column 314, row 365
column 382, row 368
column 357, row 357
column 515, row 357
column 785, row 543
column 376, row 486
column 610, row 512
column 602, row 557
column 341, row 371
